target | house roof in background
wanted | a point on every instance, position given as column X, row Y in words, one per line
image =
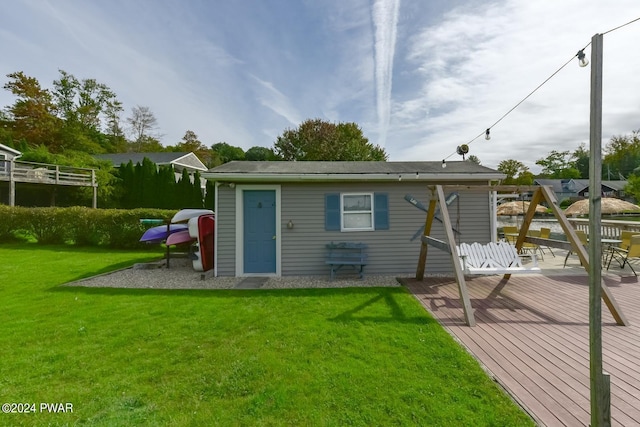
column 577, row 185
column 182, row 159
column 9, row 150
column 615, row 185
column 351, row 171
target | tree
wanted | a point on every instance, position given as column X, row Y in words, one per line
column 115, row 140
column 142, row 125
column 633, row 186
column 474, row 159
column 191, row 143
column 558, row 165
column 228, row 153
column 581, row 161
column 320, row 140
column 259, row 154
column 513, row 169
column 622, row 155
column 81, row 105
column 32, row 116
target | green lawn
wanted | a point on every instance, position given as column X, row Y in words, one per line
column 267, row 357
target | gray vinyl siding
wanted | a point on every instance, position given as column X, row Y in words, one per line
column 390, row 251
column 226, row 223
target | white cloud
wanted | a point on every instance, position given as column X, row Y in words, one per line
column 477, row 64
column 385, row 20
column 420, row 77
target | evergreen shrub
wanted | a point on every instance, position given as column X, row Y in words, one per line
column 82, row 226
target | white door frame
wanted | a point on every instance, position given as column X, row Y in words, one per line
column 240, row 230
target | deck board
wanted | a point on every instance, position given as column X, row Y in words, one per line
column 532, row 335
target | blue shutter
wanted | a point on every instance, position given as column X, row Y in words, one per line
column 381, row 211
column 332, row 212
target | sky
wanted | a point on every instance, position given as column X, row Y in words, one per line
column 419, row 77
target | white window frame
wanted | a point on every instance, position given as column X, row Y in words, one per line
column 370, row 211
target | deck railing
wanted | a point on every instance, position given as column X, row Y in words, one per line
column 43, row 173
column 17, row 171
column 610, row 228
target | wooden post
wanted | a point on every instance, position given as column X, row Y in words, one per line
column 600, row 400
column 455, row 260
column 526, row 223
column 12, row 184
column 422, row 260
column 94, row 184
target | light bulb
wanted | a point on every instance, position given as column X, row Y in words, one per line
column 444, row 164
column 487, row 134
column 582, row 58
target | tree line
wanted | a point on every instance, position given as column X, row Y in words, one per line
column 77, row 118
column 620, row 162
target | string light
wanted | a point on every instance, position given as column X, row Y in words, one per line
column 582, row 58
column 583, row 62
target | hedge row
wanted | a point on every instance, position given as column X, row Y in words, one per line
column 82, row 226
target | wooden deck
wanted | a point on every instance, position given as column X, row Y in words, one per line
column 41, row 173
column 532, row 335
column 17, row 171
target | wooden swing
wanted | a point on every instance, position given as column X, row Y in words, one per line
column 541, row 193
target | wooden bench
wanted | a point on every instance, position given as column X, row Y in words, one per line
column 495, row 258
column 346, row 253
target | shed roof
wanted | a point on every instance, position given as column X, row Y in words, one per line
column 351, row 171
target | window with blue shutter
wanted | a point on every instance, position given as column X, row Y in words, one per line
column 353, row 211
column 332, row 212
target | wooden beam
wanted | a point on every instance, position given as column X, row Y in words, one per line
column 552, row 243
column 495, row 187
column 577, row 246
column 440, row 244
column 455, row 260
column 422, row 260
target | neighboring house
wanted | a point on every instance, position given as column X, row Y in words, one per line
column 575, row 189
column 275, row 218
column 7, row 154
column 609, row 189
column 179, row 161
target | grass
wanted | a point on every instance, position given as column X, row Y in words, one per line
column 365, row 356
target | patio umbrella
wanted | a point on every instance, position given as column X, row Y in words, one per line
column 609, row 205
column 517, row 208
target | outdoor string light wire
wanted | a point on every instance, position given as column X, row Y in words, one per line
column 579, row 55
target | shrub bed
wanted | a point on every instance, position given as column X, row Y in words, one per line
column 116, row 228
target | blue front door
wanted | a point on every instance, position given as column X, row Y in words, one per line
column 259, row 231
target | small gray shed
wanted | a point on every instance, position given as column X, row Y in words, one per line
column 276, row 218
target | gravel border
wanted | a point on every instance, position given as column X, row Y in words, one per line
column 181, row 275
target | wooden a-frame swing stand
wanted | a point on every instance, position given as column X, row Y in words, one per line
column 540, row 193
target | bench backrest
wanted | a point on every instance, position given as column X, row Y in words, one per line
column 489, row 255
column 347, row 251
